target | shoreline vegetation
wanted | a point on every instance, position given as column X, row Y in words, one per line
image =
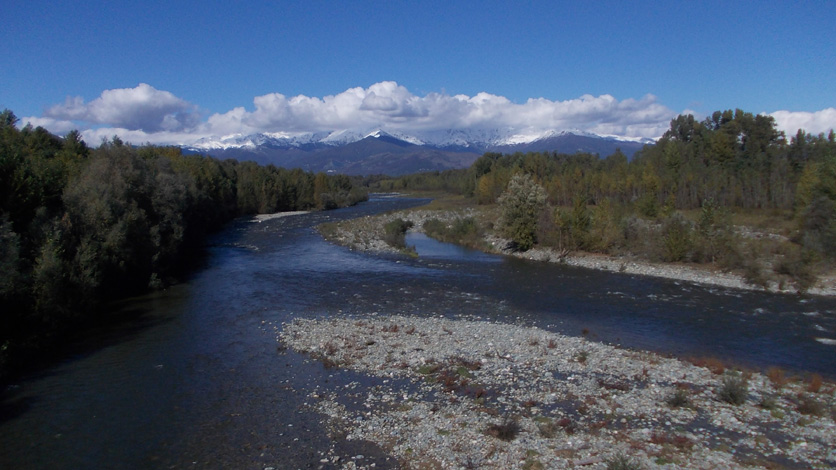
column 470, row 393
column 728, row 194
column 369, row 234
column 81, row 227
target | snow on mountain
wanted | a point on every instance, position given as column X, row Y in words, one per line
column 477, row 140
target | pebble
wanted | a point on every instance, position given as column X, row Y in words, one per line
column 601, row 410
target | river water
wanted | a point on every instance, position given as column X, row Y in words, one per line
column 197, row 380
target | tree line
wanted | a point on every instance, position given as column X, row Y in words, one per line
column 673, row 201
column 81, row 226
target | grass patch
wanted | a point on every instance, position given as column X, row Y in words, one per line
column 777, row 376
column 811, row 407
column 679, row 399
column 715, row 365
column 506, row 431
column 814, row 383
column 622, row 462
column 733, row 390
column 548, row 428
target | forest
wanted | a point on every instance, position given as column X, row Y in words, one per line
column 80, row 226
column 692, row 197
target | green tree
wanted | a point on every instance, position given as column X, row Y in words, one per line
column 521, row 205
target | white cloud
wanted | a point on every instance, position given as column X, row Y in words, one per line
column 138, row 137
column 812, row 123
column 145, row 114
column 55, row 126
column 142, row 108
column 391, row 106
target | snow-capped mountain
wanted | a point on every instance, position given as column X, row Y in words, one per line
column 394, row 152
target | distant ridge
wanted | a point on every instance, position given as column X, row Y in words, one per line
column 392, row 153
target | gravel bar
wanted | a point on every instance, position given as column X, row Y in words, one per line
column 469, row 393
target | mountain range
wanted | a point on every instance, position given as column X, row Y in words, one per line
column 394, row 153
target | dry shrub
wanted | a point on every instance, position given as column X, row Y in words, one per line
column 619, row 385
column 777, row 376
column 680, row 442
column 810, row 406
column 330, row 348
column 622, row 462
column 468, row 364
column 548, row 428
column 679, row 399
column 568, row 426
column 392, row 328
column 733, row 390
column 814, row 383
column 715, row 365
column 506, row 431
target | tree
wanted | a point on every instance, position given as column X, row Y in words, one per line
column 521, row 205
column 8, row 118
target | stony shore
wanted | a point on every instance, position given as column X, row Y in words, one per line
column 365, row 234
column 469, row 393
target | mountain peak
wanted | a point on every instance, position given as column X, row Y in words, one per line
column 402, row 152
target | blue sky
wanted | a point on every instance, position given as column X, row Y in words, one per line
column 203, row 64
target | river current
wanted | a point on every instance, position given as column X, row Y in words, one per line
column 197, row 380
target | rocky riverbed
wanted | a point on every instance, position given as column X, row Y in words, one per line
column 366, row 234
column 469, row 393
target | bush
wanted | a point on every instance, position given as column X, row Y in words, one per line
column 811, row 406
column 797, row 264
column 395, row 233
column 819, row 226
column 507, row 431
column 677, row 241
column 521, row 205
column 734, row 389
column 464, row 231
column 604, row 231
column 715, row 239
column 622, row 462
column 679, row 399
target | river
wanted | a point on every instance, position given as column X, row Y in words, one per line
column 197, row 380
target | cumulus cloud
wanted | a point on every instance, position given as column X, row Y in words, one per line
column 55, row 126
column 145, row 114
column 143, row 108
column 812, row 122
column 392, row 106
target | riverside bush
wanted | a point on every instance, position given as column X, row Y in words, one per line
column 734, row 389
column 507, row 431
column 521, row 204
column 797, row 264
column 395, row 233
column 463, row 231
column 622, row 462
column 677, row 240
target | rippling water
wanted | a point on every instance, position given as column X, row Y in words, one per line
column 197, row 380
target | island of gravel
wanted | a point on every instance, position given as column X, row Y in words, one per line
column 367, row 234
column 471, row 393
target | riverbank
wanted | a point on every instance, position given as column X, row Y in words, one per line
column 466, row 393
column 277, row 215
column 366, row 234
